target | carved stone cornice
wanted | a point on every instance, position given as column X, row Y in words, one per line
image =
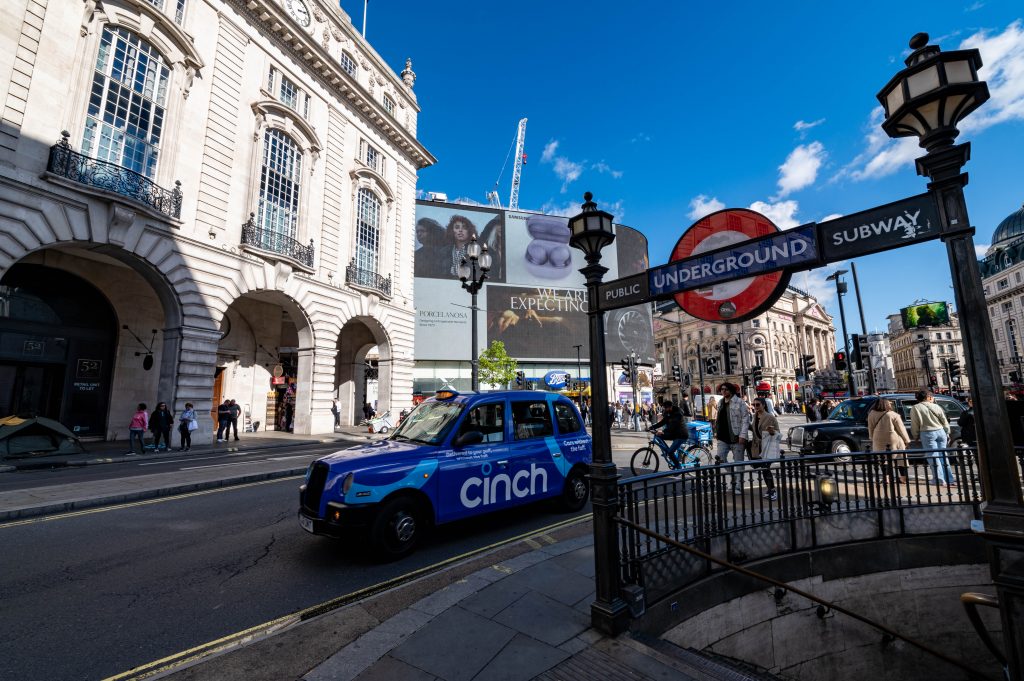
column 270, row 16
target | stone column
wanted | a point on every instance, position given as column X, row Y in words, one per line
column 196, row 367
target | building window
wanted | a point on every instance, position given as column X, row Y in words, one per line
column 126, row 111
column 179, row 8
column 371, row 157
column 287, row 92
column 279, row 189
column 1016, row 277
column 367, row 230
column 1002, row 283
column 756, row 323
column 1008, row 306
column 348, row 64
column 389, row 106
column 759, row 357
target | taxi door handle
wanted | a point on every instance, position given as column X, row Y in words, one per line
column 556, row 455
column 502, row 463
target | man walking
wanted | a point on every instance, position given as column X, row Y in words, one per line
column 236, row 411
column 223, row 419
column 928, row 422
column 731, row 425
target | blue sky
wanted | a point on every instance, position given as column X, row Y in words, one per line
column 665, row 110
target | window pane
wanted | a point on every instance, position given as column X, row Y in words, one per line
column 531, row 419
column 279, row 191
column 367, row 230
column 348, row 64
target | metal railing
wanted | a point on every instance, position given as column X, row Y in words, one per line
column 268, row 240
column 700, row 505
column 69, row 164
column 367, row 279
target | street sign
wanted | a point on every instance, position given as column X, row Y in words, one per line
column 623, row 292
column 730, row 265
column 896, row 224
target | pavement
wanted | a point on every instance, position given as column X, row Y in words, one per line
column 517, row 611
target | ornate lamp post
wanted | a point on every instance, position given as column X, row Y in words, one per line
column 591, row 231
column 927, row 100
column 472, row 273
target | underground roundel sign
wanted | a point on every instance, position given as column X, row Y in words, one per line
column 740, row 299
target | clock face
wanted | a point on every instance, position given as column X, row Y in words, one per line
column 299, row 11
column 632, row 331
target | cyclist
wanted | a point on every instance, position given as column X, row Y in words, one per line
column 674, row 430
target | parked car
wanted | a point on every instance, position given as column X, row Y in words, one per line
column 846, row 429
column 455, row 456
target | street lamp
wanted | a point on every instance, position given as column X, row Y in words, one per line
column 927, row 100
column 840, row 292
column 590, row 231
column 472, row 273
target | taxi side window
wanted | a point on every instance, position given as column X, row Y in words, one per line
column 531, row 419
column 566, row 417
column 951, row 409
column 489, row 419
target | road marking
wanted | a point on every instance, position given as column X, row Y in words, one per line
column 142, row 502
column 186, row 657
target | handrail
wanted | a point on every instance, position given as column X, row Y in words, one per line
column 971, row 600
column 971, row 673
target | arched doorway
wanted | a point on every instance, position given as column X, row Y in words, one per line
column 57, row 348
column 363, row 369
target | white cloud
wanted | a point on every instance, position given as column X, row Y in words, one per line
column 570, row 209
column 702, row 205
column 782, row 213
column 831, row 216
column 566, row 170
column 1003, row 57
column 603, row 167
column 980, row 249
column 641, row 137
column 800, row 168
column 803, row 126
column 549, row 151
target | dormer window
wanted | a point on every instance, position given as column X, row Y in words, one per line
column 348, row 64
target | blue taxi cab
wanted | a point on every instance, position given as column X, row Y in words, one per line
column 455, row 456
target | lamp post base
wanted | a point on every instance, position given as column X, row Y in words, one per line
column 611, row 619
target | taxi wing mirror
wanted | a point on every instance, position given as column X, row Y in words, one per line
column 470, row 437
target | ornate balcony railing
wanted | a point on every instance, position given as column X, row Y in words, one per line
column 367, row 279
column 67, row 163
column 274, row 242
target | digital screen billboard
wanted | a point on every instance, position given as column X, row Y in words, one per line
column 534, row 298
column 925, row 314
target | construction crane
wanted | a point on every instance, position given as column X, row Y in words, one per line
column 517, row 170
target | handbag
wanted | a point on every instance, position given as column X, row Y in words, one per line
column 193, row 425
column 771, row 446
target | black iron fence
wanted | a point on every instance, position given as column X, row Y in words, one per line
column 746, row 511
column 367, row 279
column 67, row 163
column 255, row 236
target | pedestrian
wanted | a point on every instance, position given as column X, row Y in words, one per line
column 769, row 405
column 223, row 420
column 732, row 423
column 337, row 413
column 765, row 445
column 928, row 422
column 968, row 426
column 811, row 410
column 236, row 411
column 674, row 431
column 888, row 434
column 367, row 411
column 137, row 429
column 186, row 424
column 634, row 411
column 826, row 409
column 160, row 423
column 685, row 410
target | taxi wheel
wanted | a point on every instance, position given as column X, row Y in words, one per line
column 575, row 492
column 842, row 449
column 396, row 530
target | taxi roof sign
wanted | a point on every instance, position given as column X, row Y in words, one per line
column 446, row 394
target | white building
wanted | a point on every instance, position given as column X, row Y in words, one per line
column 1002, row 274
column 229, row 215
column 881, row 362
column 921, row 355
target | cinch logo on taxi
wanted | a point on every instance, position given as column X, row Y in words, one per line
column 485, row 490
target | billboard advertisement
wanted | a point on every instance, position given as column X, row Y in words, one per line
column 534, row 299
column 925, row 314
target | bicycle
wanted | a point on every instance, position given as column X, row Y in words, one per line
column 646, row 460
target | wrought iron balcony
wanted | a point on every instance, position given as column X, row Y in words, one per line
column 67, row 163
column 270, row 241
column 367, row 279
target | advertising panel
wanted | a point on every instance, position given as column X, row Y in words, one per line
column 925, row 314
column 534, row 298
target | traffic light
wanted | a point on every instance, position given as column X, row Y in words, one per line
column 855, row 353
column 520, row 378
column 757, row 373
column 1015, row 377
column 686, row 380
column 726, row 358
column 840, row 359
column 953, row 366
column 734, row 356
column 809, row 365
column 676, row 373
column 711, row 365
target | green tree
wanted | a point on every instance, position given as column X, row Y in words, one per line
column 495, row 366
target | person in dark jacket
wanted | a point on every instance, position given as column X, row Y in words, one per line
column 674, row 430
column 968, row 428
column 223, row 420
column 160, row 422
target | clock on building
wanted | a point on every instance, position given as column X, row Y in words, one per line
column 299, row 11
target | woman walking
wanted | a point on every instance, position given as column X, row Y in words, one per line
column 137, row 429
column 887, row 433
column 186, row 424
column 766, row 444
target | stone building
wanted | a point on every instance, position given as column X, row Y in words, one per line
column 229, row 214
column 881, row 362
column 1002, row 275
column 795, row 325
column 920, row 355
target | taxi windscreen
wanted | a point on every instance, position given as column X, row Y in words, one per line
column 429, row 423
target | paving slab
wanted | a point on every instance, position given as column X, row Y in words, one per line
column 544, row 619
column 554, row 581
column 390, row 669
column 433, row 648
column 491, row 600
column 522, row 659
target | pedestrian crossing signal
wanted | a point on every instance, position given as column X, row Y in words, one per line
column 840, row 360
